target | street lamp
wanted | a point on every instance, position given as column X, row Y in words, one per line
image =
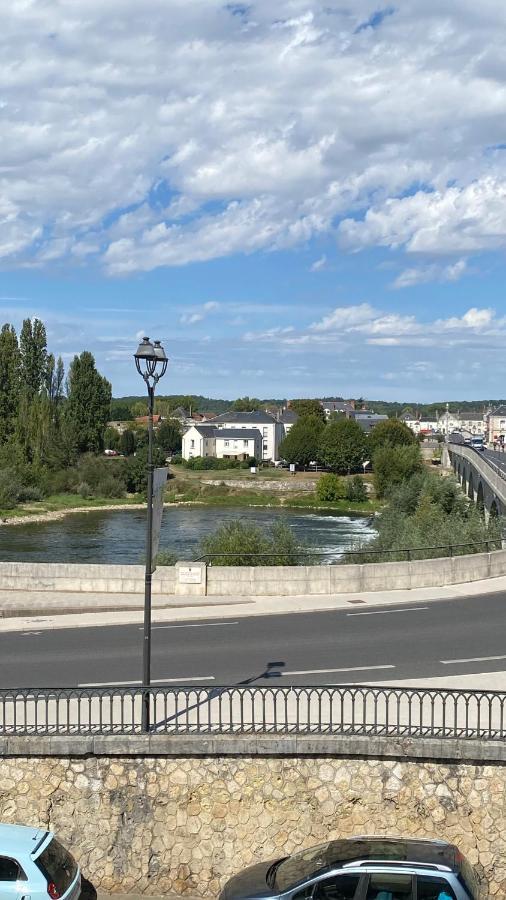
column 151, row 363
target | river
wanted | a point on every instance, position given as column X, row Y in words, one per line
column 118, row 536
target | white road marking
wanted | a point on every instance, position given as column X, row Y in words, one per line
column 388, row 612
column 192, row 625
column 330, row 671
column 29, row 633
column 454, row 662
column 183, row 681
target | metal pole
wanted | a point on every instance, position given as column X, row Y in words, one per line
column 146, row 649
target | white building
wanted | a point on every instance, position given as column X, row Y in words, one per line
column 270, row 429
column 288, row 418
column 474, row 423
column 421, row 424
column 223, row 443
column 497, row 426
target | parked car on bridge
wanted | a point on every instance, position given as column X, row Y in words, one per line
column 35, row 866
column 361, row 868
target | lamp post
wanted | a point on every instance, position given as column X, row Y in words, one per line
column 151, row 363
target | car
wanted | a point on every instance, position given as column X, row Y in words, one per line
column 361, row 868
column 34, row 865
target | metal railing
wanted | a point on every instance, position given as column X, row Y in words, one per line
column 337, row 710
column 409, row 553
column 482, row 455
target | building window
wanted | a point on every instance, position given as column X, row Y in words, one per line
column 226, row 443
column 192, row 444
column 266, row 447
column 245, row 443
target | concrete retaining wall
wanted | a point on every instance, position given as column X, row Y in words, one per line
column 181, row 815
column 70, row 577
column 253, row 580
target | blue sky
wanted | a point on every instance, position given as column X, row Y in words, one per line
column 304, row 202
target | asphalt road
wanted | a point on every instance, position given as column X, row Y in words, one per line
column 450, row 637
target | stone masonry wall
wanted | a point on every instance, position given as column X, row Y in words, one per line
column 181, row 825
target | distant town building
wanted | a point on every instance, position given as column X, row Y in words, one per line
column 270, row 429
column 288, row 418
column 496, row 426
column 223, row 443
column 367, row 420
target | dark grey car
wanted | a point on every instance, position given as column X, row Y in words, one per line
column 361, row 868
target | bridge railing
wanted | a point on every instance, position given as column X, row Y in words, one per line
column 248, row 710
column 480, row 455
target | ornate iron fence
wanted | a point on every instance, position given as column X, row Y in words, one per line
column 337, row 710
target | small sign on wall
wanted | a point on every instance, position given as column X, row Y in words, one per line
column 190, row 575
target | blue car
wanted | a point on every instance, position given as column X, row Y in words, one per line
column 35, row 866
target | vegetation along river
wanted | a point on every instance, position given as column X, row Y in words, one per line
column 118, row 536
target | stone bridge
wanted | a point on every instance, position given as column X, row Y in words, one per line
column 482, row 475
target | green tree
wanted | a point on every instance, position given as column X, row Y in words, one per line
column 120, row 411
column 391, row 433
column 111, row 438
column 168, row 436
column 305, row 408
column 33, row 353
column 330, row 487
column 342, row 446
column 136, row 469
column 127, row 442
column 393, row 465
column 88, row 404
column 302, row 441
column 9, row 381
column 246, row 404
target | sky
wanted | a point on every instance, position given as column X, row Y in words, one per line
column 299, row 198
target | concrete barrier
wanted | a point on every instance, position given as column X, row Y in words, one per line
column 197, row 579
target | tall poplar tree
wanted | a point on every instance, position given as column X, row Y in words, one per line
column 88, row 404
column 33, row 349
column 9, row 381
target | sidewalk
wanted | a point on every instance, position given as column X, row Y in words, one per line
column 24, row 610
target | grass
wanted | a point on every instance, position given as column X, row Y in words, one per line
column 62, row 502
column 221, row 495
column 268, row 474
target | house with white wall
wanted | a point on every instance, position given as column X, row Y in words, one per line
column 223, row 443
column 270, row 429
column 198, row 440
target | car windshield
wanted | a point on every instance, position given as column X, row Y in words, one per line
column 300, row 866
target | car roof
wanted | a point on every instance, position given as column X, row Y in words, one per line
column 393, row 850
column 23, row 839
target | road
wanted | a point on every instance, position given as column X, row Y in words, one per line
column 450, row 637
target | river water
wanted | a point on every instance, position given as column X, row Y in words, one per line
column 118, row 536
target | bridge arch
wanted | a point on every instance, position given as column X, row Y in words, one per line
column 480, row 497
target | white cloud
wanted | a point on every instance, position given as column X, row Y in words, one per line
column 319, row 264
column 344, row 317
column 191, row 318
column 162, row 134
column 434, row 272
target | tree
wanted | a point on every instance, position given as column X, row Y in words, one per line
column 391, row 433
column 127, row 442
column 394, row 465
column 342, row 446
column 120, row 412
column 111, row 438
column 246, row 404
column 302, row 441
column 9, row 381
column 33, row 352
column 305, row 408
column 88, row 404
column 168, row 436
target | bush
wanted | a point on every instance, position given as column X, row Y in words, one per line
column 103, row 477
column 9, row 488
column 29, row 492
column 330, row 487
column 204, row 463
column 355, row 489
column 245, row 542
column 165, row 558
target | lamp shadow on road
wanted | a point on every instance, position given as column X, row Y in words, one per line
column 272, row 670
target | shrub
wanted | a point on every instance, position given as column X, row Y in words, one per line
column 9, row 488
column 342, row 446
column 246, row 542
column 29, row 492
column 355, row 489
column 165, row 558
column 330, row 487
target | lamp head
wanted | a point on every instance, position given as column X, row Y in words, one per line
column 150, row 360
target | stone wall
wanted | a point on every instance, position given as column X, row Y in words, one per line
column 185, row 824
